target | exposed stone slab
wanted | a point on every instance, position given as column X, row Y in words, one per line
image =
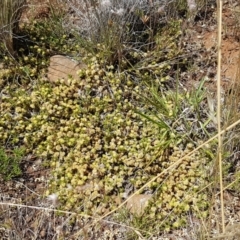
column 62, row 67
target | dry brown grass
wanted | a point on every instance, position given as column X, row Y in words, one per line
column 10, row 13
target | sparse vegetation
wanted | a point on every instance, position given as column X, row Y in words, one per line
column 126, row 119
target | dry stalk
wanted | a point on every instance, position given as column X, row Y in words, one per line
column 219, row 8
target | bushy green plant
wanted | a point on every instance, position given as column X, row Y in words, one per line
column 10, row 163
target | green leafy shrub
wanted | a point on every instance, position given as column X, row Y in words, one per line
column 10, row 163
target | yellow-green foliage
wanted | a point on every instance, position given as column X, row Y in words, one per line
column 97, row 146
column 179, row 191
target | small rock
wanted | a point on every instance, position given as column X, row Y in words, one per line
column 62, row 67
column 138, row 202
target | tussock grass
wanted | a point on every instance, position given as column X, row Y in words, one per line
column 10, row 13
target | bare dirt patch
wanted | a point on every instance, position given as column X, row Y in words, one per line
column 230, row 43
